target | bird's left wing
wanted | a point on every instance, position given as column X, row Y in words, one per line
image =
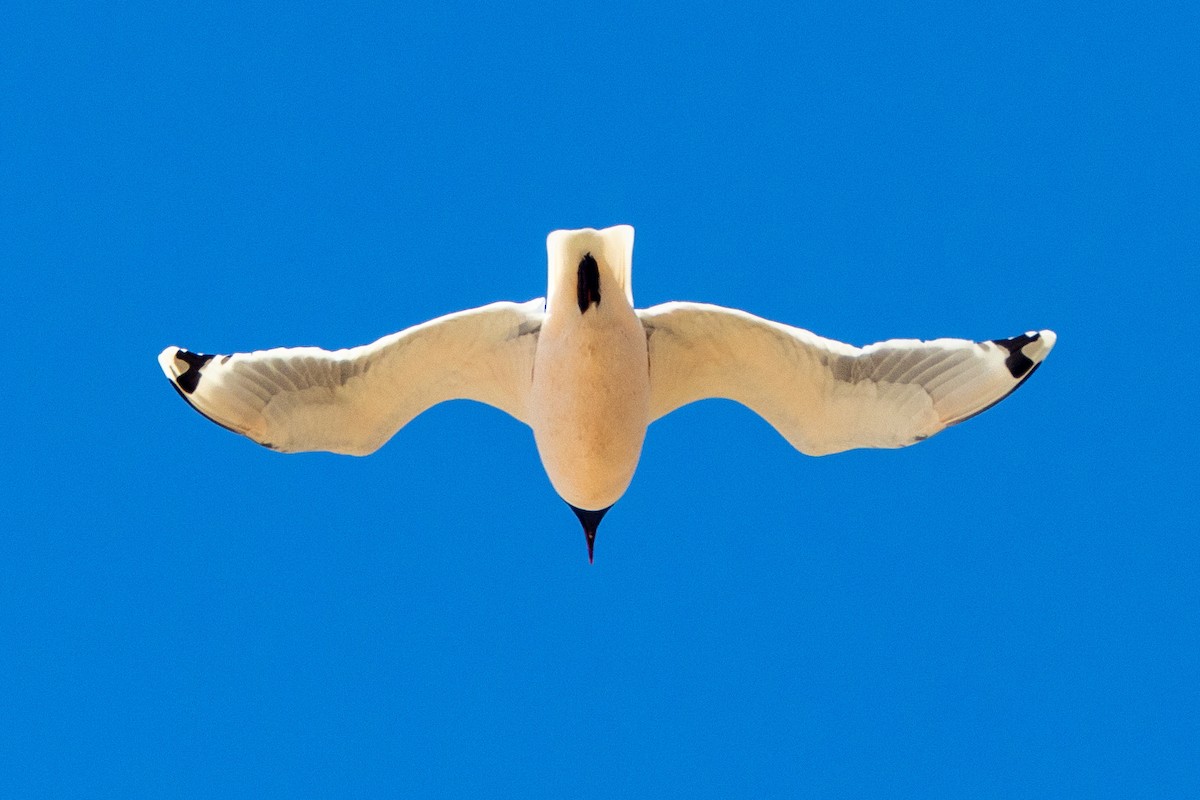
column 826, row 396
column 352, row 401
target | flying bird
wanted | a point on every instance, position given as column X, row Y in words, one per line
column 588, row 373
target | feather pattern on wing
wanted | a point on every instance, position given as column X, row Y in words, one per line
column 353, row 400
column 825, row 396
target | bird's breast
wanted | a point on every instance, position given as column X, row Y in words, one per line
column 590, row 403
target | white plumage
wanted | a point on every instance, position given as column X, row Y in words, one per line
column 825, row 396
column 295, row 399
column 588, row 374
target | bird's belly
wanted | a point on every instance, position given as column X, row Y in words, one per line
column 590, row 405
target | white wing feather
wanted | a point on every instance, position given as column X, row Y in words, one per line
column 352, row 401
column 824, row 396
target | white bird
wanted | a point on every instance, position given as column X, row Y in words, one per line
column 588, row 373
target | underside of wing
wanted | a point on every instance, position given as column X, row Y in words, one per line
column 352, row 401
column 824, row 396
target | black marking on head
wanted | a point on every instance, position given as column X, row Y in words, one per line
column 1019, row 365
column 189, row 379
column 587, row 288
column 590, row 521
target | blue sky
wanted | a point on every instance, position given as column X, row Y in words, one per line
column 1007, row 610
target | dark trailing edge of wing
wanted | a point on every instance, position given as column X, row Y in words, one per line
column 195, row 407
column 179, row 390
column 1028, row 375
column 1019, row 365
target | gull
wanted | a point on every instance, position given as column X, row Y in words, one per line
column 588, row 373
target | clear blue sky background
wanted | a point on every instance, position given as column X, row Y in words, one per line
column 1008, row 610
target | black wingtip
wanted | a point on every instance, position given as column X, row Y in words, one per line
column 198, row 410
column 1019, row 365
column 189, row 379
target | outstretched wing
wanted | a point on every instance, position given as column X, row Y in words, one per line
column 826, row 396
column 352, row 401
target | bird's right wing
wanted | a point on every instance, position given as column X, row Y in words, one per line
column 352, row 401
column 824, row 396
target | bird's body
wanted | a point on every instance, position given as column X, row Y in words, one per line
column 590, row 396
column 588, row 373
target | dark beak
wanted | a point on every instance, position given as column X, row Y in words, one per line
column 590, row 521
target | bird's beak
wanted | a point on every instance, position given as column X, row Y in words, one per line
column 590, row 520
